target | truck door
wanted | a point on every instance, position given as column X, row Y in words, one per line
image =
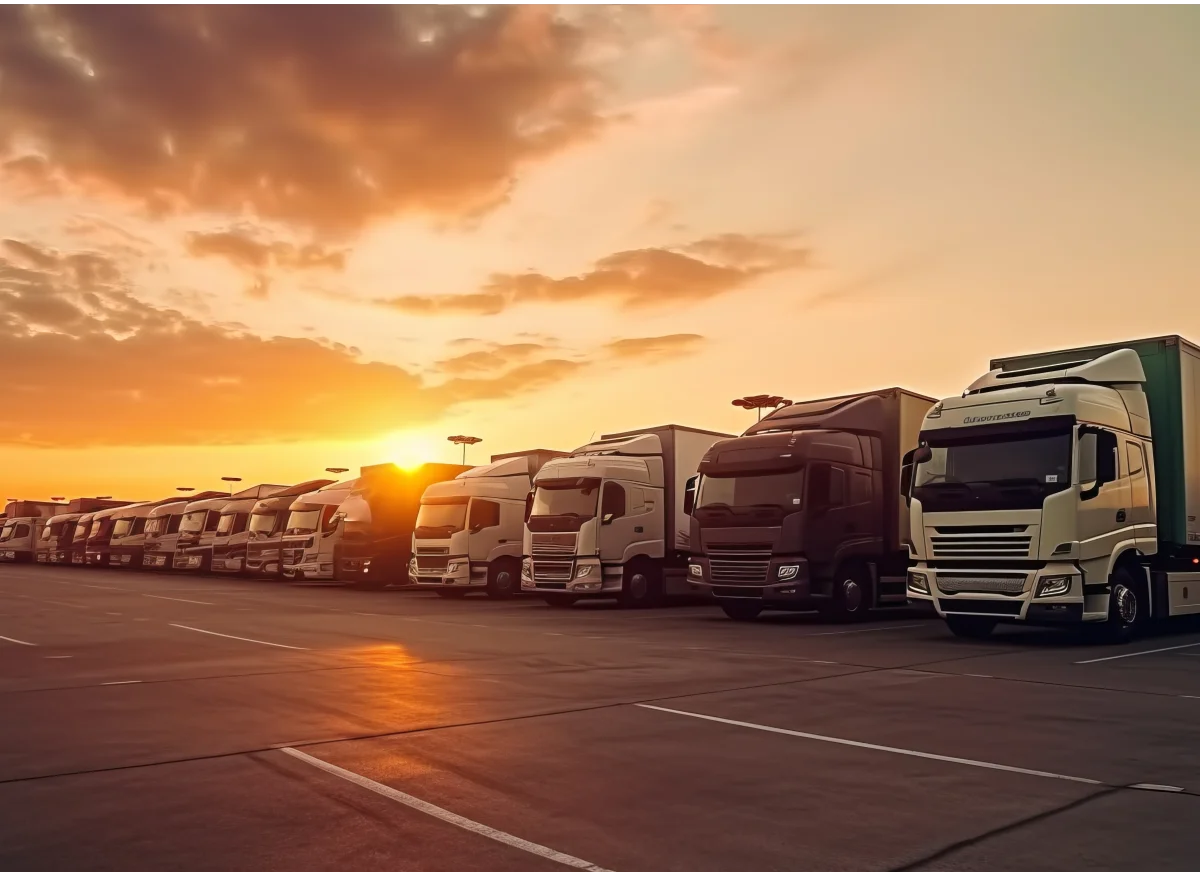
column 625, row 520
column 483, row 530
column 1104, row 504
column 826, row 516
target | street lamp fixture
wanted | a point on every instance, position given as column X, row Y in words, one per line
column 185, row 490
column 464, row 441
column 760, row 402
column 109, row 497
column 231, row 479
column 337, row 470
column 58, row 499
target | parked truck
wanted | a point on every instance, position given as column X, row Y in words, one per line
column 161, row 537
column 255, row 549
column 608, row 520
column 804, row 510
column 206, row 522
column 98, row 546
column 58, row 536
column 130, row 533
column 1063, row 489
column 21, row 531
column 378, row 518
column 313, row 532
column 469, row 530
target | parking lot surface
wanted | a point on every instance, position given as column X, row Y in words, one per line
column 152, row 721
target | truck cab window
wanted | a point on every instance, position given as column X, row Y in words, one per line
column 484, row 514
column 211, row 522
column 612, row 503
column 329, row 518
column 860, row 487
column 1140, row 484
column 826, row 486
column 173, row 523
column 22, row 531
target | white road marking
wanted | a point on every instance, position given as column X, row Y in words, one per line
column 872, row 747
column 239, row 638
column 1162, row 788
column 447, row 816
column 110, row 683
column 68, row 605
column 1136, row 654
column 553, row 634
column 57, row 657
column 18, row 642
column 113, row 614
column 864, row 630
column 177, row 599
column 975, row 675
column 96, row 586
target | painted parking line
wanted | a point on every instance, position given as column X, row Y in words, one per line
column 128, row 681
column 906, row 752
column 18, row 641
column 1137, row 654
column 239, row 638
column 177, row 599
column 444, row 815
column 863, row 630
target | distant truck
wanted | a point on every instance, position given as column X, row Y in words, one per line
column 21, row 532
column 469, row 530
column 252, row 545
column 162, row 528
column 1063, row 489
column 804, row 510
column 58, row 535
column 127, row 545
column 608, row 520
column 208, row 521
column 378, row 518
column 98, row 549
column 313, row 532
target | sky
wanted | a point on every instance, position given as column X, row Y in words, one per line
column 254, row 242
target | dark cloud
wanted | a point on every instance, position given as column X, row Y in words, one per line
column 673, row 345
column 243, row 249
column 640, row 277
column 87, row 363
column 320, row 116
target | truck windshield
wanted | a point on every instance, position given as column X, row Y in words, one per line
column 772, row 492
column 155, row 526
column 81, row 531
column 438, row 520
column 122, row 528
column 193, row 522
column 993, row 474
column 7, row 532
column 263, row 523
column 301, row 522
column 49, row 532
column 563, row 504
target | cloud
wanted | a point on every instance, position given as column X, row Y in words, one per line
column 673, row 345
column 641, row 277
column 316, row 116
column 493, row 359
column 243, row 249
column 87, row 363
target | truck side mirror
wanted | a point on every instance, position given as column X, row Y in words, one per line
column 607, row 519
column 689, row 494
column 528, row 506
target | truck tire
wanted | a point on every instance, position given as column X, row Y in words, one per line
column 559, row 602
column 1126, row 610
column 853, row 595
column 970, row 626
column 741, row 610
column 642, row 587
column 504, row 578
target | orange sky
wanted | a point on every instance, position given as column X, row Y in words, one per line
column 235, row 241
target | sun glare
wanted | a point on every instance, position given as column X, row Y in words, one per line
column 408, row 449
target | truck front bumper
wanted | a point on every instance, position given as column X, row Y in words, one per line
column 457, row 573
column 785, row 584
column 1050, row 595
column 585, row 577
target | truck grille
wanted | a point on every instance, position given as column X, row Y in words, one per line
column 552, row 545
column 739, row 564
column 291, row 556
column 981, row 542
column 552, row 570
column 432, row 559
column 1005, row 584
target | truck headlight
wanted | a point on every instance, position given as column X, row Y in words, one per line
column 1054, row 585
column 525, row 569
column 918, row 582
column 695, row 571
column 786, row 573
column 583, row 571
column 452, row 567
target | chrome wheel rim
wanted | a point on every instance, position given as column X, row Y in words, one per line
column 637, row 585
column 1126, row 604
column 851, row 595
column 503, row 580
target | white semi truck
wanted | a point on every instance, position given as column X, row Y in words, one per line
column 311, row 533
column 608, row 520
column 469, row 530
column 1063, row 489
column 162, row 529
column 21, row 531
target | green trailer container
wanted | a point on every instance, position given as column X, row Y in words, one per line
column 1172, row 367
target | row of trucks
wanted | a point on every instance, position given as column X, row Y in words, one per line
column 1060, row 488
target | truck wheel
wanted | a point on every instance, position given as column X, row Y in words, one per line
column 969, row 627
column 503, row 579
column 742, row 611
column 559, row 602
column 451, row 594
column 641, row 587
column 852, row 595
column 1126, row 610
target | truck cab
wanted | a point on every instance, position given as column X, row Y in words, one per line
column 233, row 529
column 55, row 544
column 98, row 550
column 21, row 530
column 468, row 533
column 1062, row 489
column 161, row 537
column 608, row 520
column 208, row 525
column 264, row 531
column 312, row 533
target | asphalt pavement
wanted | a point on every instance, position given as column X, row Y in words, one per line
column 157, row 721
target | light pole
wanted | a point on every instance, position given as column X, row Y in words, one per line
column 464, row 441
column 231, row 479
column 760, row 402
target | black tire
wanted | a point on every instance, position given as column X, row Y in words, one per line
column 970, row 626
column 641, row 587
column 742, row 610
column 560, row 602
column 853, row 595
column 451, row 594
column 1126, row 610
column 504, row 578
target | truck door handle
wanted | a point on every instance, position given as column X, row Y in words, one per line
column 503, row 541
column 1120, row 514
column 638, row 530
